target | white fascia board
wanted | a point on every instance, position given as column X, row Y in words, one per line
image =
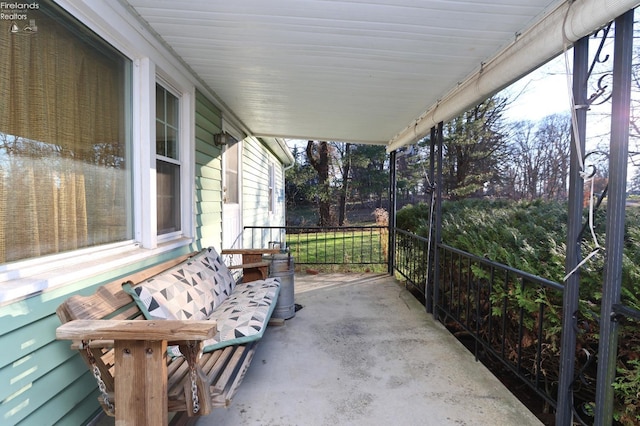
column 543, row 41
column 280, row 149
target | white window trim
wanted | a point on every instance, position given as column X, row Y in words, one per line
column 35, row 276
column 185, row 92
column 145, row 190
column 272, row 188
column 231, row 240
column 151, row 62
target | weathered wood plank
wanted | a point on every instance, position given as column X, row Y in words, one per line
column 250, row 265
column 110, row 297
column 173, row 331
column 229, row 371
column 251, row 251
column 141, row 383
column 232, row 388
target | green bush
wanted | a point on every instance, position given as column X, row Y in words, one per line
column 531, row 236
column 413, row 218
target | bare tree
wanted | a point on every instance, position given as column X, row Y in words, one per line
column 541, row 158
column 554, row 139
column 344, row 165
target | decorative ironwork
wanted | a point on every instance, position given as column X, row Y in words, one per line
column 598, row 59
column 602, row 93
column 475, row 297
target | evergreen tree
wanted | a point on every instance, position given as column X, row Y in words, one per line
column 300, row 180
column 474, row 146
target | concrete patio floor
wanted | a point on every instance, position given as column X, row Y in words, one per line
column 363, row 351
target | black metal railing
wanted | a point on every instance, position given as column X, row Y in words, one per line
column 503, row 314
column 344, row 245
column 506, row 315
column 412, row 260
column 511, row 315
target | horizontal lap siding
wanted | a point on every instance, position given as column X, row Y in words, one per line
column 255, row 185
column 208, row 174
column 43, row 380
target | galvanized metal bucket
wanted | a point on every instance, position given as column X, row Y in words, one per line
column 281, row 265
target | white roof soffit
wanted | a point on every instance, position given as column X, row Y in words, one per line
column 547, row 38
column 280, row 149
column 364, row 71
column 342, row 70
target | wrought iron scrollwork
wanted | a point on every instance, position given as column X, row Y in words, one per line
column 598, row 58
column 602, row 88
column 602, row 92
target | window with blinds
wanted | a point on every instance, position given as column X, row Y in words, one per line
column 65, row 157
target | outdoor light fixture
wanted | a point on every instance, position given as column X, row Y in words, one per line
column 223, row 138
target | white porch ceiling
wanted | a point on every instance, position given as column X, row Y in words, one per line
column 359, row 70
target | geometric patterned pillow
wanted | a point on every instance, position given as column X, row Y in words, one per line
column 209, row 266
column 202, row 287
column 190, row 290
column 171, row 296
column 244, row 316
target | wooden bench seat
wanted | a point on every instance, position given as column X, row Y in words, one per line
column 142, row 382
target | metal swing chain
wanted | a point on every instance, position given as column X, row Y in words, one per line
column 194, row 390
column 98, row 376
column 192, row 359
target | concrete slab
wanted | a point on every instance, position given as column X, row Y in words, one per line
column 362, row 351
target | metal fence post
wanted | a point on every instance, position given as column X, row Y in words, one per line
column 571, row 293
column 429, row 285
column 616, row 204
column 391, row 250
column 438, row 221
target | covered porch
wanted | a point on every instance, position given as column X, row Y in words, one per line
column 363, row 351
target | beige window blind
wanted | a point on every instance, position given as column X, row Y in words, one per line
column 64, row 157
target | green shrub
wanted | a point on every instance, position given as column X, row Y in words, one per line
column 413, row 218
column 531, row 236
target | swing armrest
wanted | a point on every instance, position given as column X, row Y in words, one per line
column 172, row 331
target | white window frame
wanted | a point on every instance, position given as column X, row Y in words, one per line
column 151, row 64
column 145, row 220
column 272, row 188
column 183, row 154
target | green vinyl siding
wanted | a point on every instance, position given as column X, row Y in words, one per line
column 256, row 161
column 255, row 184
column 208, row 174
column 43, row 380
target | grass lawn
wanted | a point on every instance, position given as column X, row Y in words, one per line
column 349, row 249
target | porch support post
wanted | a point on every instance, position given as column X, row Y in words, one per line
column 438, row 221
column 432, row 155
column 616, row 202
column 571, row 295
column 391, row 250
column 430, row 284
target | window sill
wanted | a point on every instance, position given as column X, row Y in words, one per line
column 25, row 279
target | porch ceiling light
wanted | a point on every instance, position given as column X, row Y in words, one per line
column 223, row 138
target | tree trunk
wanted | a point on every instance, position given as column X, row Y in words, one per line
column 318, row 157
column 342, row 202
